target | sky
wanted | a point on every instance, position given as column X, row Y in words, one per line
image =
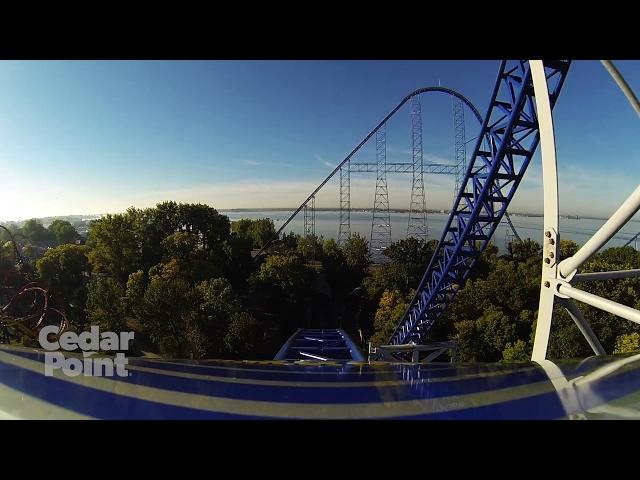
column 91, row 137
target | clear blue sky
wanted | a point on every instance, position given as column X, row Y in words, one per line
column 93, row 137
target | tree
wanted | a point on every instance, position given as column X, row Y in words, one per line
column 409, row 258
column 288, row 274
column 310, row 248
column 484, row 339
column 333, row 263
column 105, row 304
column 263, row 231
column 114, row 248
column 287, row 245
column 242, row 227
column 35, row 232
column 357, row 257
column 167, row 310
column 29, row 252
column 64, row 232
column 244, row 337
column 565, row 340
column 7, row 251
column 281, row 291
column 392, row 306
column 516, row 352
column 521, row 251
column 467, row 339
column 150, row 227
column 238, row 263
column 66, row 267
column 568, row 248
column 217, row 304
column 184, row 257
column 411, row 251
column 211, row 227
column 5, row 236
column 134, row 293
column 628, row 343
column 496, row 330
column 259, row 231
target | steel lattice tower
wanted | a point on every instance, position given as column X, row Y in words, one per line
column 418, row 226
column 344, row 231
column 381, row 220
column 310, row 217
column 460, row 144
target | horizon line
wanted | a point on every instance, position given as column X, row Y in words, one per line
column 292, row 209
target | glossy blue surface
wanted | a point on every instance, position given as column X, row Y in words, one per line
column 603, row 387
column 320, row 344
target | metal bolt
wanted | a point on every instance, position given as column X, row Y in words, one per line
column 546, row 260
column 551, row 254
column 551, row 241
column 547, row 284
column 547, row 234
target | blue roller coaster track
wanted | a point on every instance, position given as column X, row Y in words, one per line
column 319, row 344
column 510, row 130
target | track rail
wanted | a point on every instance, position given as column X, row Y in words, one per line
column 492, row 178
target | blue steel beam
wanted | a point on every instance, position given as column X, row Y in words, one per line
column 504, row 148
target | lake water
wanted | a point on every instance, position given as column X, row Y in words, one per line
column 327, row 222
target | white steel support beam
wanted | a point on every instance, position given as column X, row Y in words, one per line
column 602, row 303
column 567, row 393
column 551, row 222
column 618, row 220
column 557, row 278
column 612, row 275
column 624, row 86
column 575, row 313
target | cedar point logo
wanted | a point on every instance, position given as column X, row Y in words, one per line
column 89, row 342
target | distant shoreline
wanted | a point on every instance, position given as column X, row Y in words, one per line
column 392, row 210
column 285, row 209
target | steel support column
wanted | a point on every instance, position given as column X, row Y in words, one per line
column 381, row 218
column 460, row 144
column 310, row 217
column 418, row 226
column 344, row 231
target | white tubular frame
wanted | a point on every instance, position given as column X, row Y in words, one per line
column 572, row 393
column 558, row 276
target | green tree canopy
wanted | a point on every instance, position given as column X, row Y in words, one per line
column 525, row 249
column 66, row 267
column 105, row 304
column 259, row 231
column 35, row 232
column 357, row 257
column 289, row 274
column 628, row 343
column 64, row 232
column 244, row 337
column 392, row 306
column 166, row 313
column 114, row 247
